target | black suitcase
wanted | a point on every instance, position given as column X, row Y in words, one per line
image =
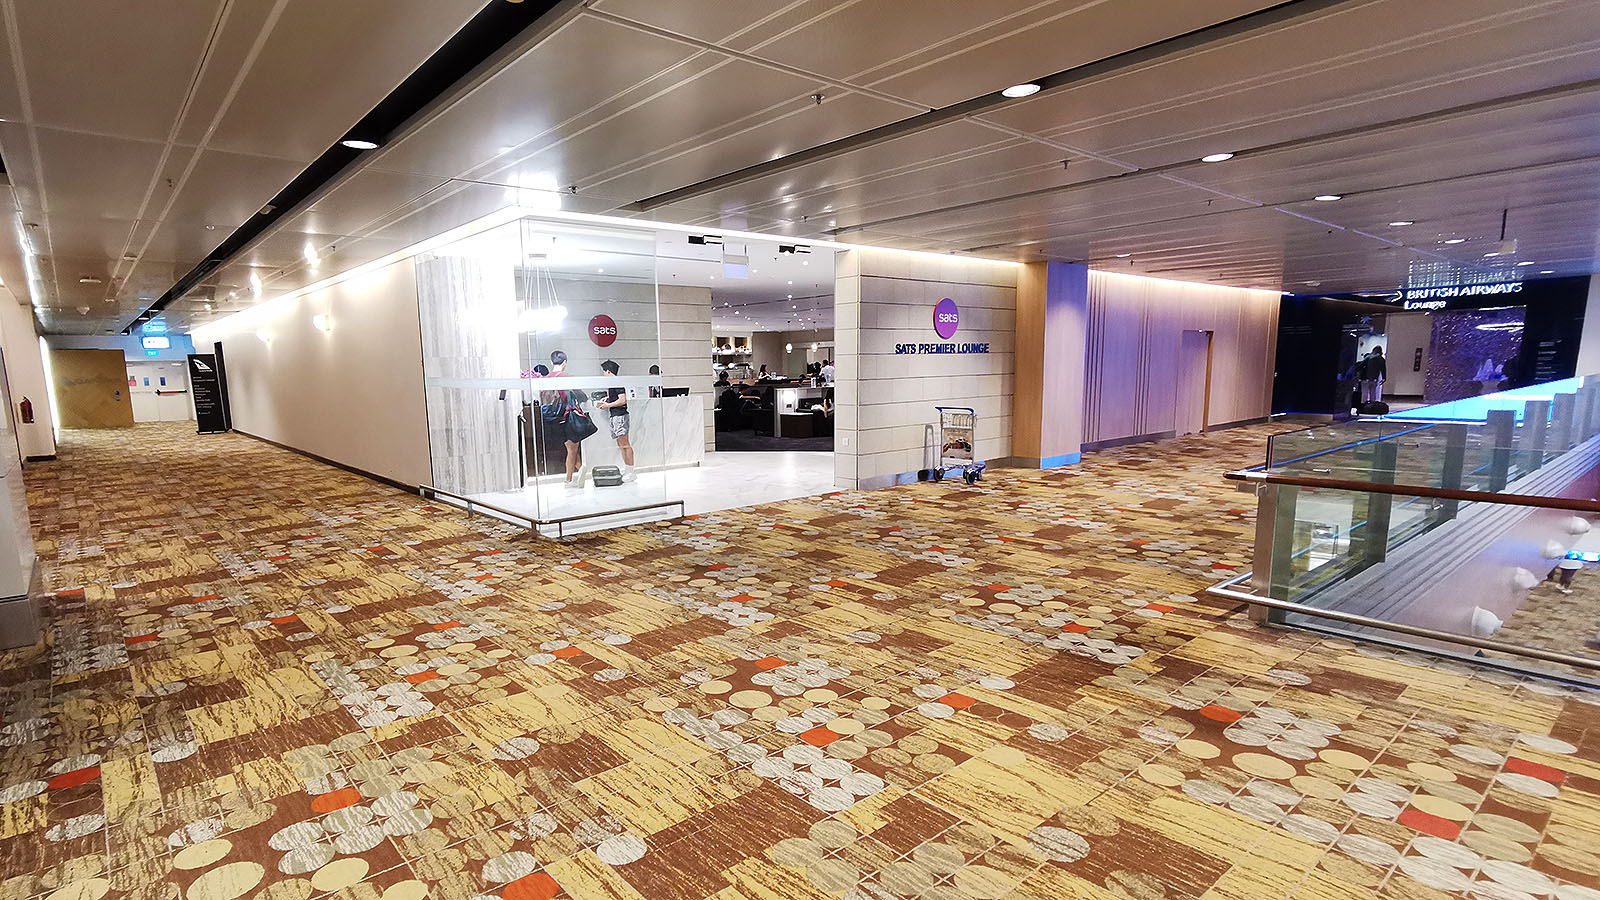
column 1373, row 408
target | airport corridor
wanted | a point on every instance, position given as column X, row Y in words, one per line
column 266, row 677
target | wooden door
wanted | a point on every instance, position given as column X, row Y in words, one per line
column 92, row 388
column 1194, row 382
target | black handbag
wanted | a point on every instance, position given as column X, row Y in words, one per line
column 579, row 425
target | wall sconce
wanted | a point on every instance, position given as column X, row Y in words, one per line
column 788, row 348
column 322, row 323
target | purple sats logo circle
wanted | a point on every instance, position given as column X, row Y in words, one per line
column 945, row 318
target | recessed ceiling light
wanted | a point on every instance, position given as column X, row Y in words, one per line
column 1456, row 241
column 357, row 144
column 89, row 279
column 1123, row 255
column 1547, row 271
column 1401, row 223
column 1327, row 198
column 1021, row 90
column 1216, row 157
column 1526, row 262
column 1491, row 254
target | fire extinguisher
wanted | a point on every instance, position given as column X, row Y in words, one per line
column 26, row 408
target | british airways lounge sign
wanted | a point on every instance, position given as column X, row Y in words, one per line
column 946, row 319
column 1440, row 297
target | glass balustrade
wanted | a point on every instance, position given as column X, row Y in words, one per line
column 1439, row 534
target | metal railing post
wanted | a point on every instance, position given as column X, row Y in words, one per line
column 1274, row 549
column 1562, row 410
column 1536, row 421
column 1501, row 431
column 1583, row 415
column 1380, row 507
column 1451, row 467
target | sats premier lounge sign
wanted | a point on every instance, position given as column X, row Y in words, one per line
column 946, row 319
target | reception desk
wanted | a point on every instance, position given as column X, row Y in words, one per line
column 787, row 399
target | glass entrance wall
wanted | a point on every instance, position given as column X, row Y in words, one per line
column 541, row 363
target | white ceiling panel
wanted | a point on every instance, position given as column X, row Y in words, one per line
column 326, row 65
column 94, row 176
column 102, row 238
column 229, row 57
column 212, row 194
column 1031, row 44
column 126, row 74
column 793, row 125
column 364, row 200
column 1309, row 80
column 715, row 22
column 180, row 246
column 588, row 63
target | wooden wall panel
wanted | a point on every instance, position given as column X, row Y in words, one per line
column 1158, row 380
column 1135, row 332
column 92, row 388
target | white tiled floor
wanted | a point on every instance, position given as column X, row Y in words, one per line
column 724, row 481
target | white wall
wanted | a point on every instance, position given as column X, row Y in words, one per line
column 886, row 400
column 352, row 395
column 24, row 372
column 1407, row 333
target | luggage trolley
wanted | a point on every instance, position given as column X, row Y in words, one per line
column 957, row 438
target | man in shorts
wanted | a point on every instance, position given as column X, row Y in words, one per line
column 616, row 403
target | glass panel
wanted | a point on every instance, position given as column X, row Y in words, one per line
column 1475, row 456
column 1472, row 569
column 541, row 362
column 588, row 322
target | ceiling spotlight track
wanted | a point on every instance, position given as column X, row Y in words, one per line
column 1271, row 17
column 498, row 32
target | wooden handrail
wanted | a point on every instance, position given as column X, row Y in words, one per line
column 1253, row 476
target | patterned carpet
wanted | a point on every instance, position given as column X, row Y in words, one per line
column 267, row 678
